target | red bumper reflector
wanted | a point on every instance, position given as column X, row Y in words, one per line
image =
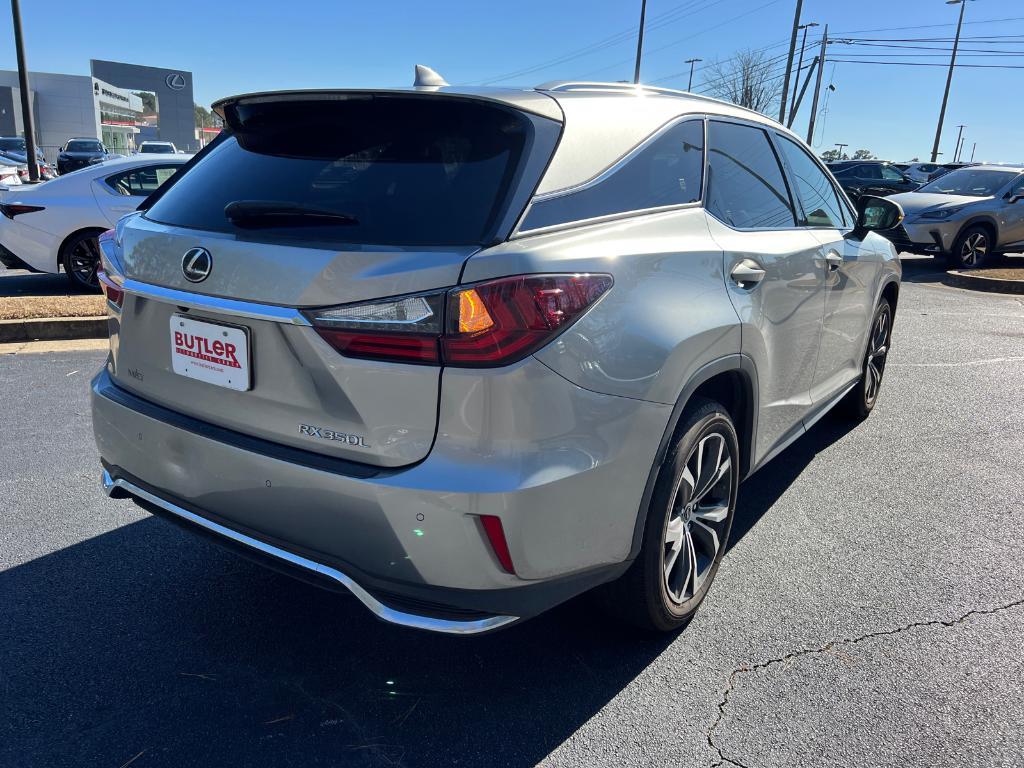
column 496, row 535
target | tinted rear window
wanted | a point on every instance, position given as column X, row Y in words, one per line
column 84, row 146
column 400, row 170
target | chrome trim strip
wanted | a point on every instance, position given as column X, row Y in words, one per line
column 274, row 314
column 381, row 611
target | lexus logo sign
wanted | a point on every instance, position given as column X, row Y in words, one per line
column 196, row 264
column 175, row 81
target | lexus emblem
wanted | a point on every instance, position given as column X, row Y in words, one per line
column 175, row 81
column 196, row 264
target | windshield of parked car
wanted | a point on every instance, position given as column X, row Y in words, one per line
column 12, row 145
column 84, row 146
column 970, row 182
column 381, row 170
column 164, row 148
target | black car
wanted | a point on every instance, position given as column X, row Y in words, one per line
column 78, row 153
column 14, row 148
column 871, row 177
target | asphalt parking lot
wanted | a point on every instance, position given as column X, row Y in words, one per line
column 870, row 611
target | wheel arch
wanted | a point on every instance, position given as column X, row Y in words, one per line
column 729, row 380
column 980, row 220
column 70, row 236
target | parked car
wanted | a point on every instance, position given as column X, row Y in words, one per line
column 79, row 153
column 479, row 352
column 942, row 170
column 11, row 171
column 14, row 148
column 871, row 177
column 157, row 147
column 52, row 226
column 919, row 172
column 970, row 216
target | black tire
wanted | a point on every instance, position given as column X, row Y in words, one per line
column 642, row 595
column 972, row 248
column 80, row 258
column 861, row 400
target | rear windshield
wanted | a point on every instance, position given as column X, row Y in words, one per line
column 157, row 148
column 388, row 170
column 970, row 182
column 12, row 145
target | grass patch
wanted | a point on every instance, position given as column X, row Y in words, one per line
column 32, row 307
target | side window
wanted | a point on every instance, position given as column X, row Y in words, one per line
column 812, row 187
column 891, row 174
column 746, row 188
column 667, row 171
column 139, row 182
column 869, row 172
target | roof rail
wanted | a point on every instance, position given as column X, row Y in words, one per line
column 564, row 86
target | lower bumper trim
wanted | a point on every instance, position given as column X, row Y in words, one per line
column 120, row 487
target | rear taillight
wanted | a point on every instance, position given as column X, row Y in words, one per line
column 484, row 325
column 113, row 291
column 10, row 210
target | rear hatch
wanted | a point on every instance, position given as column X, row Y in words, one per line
column 312, row 201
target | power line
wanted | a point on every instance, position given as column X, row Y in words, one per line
column 931, row 64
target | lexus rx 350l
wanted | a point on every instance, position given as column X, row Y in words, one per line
column 467, row 353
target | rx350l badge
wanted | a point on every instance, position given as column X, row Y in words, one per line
column 330, row 434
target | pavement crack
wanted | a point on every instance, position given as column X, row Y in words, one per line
column 746, row 669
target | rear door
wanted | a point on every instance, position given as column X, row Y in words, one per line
column 847, row 265
column 313, row 203
column 772, row 268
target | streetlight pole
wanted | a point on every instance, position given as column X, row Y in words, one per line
column 973, row 150
column 799, row 66
column 949, row 76
column 959, row 135
column 817, row 88
column 789, row 60
column 691, row 62
column 640, row 41
column 26, row 101
column 841, row 148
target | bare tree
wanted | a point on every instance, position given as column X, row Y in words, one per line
column 745, row 79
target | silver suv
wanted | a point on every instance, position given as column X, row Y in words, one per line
column 468, row 353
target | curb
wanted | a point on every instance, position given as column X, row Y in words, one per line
column 977, row 281
column 53, row 328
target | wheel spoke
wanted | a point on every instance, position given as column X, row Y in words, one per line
column 707, row 537
column 713, row 513
column 694, row 571
column 712, row 464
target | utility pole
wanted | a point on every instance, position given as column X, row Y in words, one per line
column 789, row 61
column 972, row 151
column 817, row 88
column 959, row 135
column 640, row 42
column 800, row 99
column 691, row 62
column 841, row 148
column 26, row 101
column 799, row 66
column 949, row 76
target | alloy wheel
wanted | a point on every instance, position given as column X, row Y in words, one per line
column 974, row 249
column 878, row 349
column 698, row 518
column 84, row 260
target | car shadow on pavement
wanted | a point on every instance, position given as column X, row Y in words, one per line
column 19, row 282
column 146, row 641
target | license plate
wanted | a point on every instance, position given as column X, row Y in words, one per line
column 211, row 352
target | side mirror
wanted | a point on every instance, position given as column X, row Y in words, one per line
column 875, row 213
column 1015, row 195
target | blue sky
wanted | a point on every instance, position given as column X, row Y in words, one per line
column 891, row 110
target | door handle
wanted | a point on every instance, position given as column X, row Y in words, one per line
column 834, row 260
column 747, row 274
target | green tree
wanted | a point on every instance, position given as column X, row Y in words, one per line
column 863, row 154
column 148, row 101
column 831, row 155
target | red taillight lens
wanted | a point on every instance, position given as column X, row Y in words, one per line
column 10, row 210
column 496, row 535
column 488, row 324
column 504, row 320
column 113, row 292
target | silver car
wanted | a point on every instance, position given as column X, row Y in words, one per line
column 468, row 353
column 969, row 216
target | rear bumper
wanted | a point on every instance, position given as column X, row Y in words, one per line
column 408, row 543
column 34, row 248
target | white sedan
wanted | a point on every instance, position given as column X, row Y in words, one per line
column 54, row 225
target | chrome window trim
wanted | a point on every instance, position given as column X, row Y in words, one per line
column 216, row 304
column 610, row 171
column 379, row 609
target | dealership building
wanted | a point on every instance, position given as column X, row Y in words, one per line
column 120, row 104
